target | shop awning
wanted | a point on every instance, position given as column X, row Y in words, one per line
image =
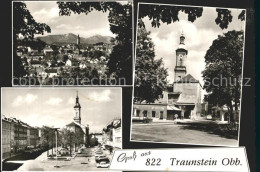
column 173, row 108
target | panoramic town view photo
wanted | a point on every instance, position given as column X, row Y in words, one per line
column 72, row 43
column 188, row 70
column 65, row 129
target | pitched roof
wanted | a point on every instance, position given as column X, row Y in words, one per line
column 188, row 79
column 83, row 127
column 51, row 70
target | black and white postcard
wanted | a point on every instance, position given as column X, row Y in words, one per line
column 129, row 85
column 72, row 43
column 66, row 129
column 188, row 72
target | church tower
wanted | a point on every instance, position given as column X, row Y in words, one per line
column 78, row 43
column 78, row 40
column 77, row 108
column 181, row 55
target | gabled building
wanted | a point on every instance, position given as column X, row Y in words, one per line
column 181, row 99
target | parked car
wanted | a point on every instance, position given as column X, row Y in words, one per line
column 103, row 164
column 99, row 157
column 99, row 152
column 63, row 151
column 209, row 117
column 104, row 159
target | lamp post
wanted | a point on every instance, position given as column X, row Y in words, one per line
column 56, row 129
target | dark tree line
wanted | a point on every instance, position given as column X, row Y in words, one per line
column 169, row 14
column 223, row 72
column 24, row 28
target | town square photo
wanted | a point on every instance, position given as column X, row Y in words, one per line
column 72, row 43
column 188, row 70
column 60, row 129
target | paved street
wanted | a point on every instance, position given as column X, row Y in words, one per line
column 176, row 133
column 83, row 162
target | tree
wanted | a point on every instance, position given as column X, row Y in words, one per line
column 70, row 138
column 150, row 73
column 35, row 44
column 55, row 50
column 96, row 54
column 65, row 58
column 47, row 137
column 169, row 14
column 120, row 19
column 93, row 141
column 24, row 27
column 223, row 70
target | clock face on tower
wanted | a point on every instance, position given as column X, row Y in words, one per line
column 180, row 61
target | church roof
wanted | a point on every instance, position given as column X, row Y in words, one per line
column 73, row 123
column 188, row 79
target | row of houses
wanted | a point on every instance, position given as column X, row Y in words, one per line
column 17, row 136
column 111, row 135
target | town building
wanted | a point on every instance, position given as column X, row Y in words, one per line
column 6, row 137
column 77, row 127
column 50, row 72
column 181, row 99
column 34, row 137
column 48, row 51
column 17, row 136
column 112, row 135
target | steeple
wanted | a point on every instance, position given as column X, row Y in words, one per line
column 77, row 108
column 181, row 55
column 78, row 44
column 78, row 40
column 182, row 38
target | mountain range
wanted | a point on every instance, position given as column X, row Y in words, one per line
column 71, row 38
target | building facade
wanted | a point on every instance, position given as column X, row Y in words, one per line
column 112, row 134
column 6, row 137
column 181, row 99
column 75, row 126
column 17, row 136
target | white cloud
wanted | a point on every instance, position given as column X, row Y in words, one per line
column 71, row 100
column 103, row 96
column 17, row 101
column 54, row 101
column 46, row 15
column 28, row 98
column 36, row 119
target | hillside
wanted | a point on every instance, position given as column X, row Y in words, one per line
column 71, row 38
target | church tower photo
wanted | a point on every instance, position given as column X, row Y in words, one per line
column 77, row 109
column 181, row 55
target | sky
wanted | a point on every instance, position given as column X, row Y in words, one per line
column 47, row 12
column 199, row 36
column 54, row 107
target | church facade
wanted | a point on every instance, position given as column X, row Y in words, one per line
column 181, row 99
column 77, row 127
